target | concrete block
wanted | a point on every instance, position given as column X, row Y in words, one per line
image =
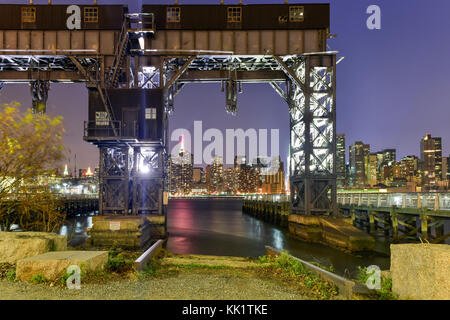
column 54, row 264
column 118, row 223
column 132, row 232
column 421, row 271
column 304, row 220
column 332, row 231
column 19, row 245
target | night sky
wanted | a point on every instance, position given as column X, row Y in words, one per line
column 392, row 87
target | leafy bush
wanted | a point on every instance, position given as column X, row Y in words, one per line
column 11, row 275
column 66, row 276
column 39, row 278
column 117, row 263
column 31, row 145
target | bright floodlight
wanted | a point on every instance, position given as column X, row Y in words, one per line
column 143, row 167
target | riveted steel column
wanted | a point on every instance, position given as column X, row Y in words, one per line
column 312, row 100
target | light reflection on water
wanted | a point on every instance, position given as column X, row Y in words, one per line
column 218, row 227
column 75, row 228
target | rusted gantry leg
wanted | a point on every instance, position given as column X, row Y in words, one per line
column 114, row 180
column 39, row 95
column 312, row 108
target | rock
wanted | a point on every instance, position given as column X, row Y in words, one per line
column 19, row 245
column 52, row 265
column 421, row 271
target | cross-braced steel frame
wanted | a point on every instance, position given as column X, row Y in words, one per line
column 306, row 82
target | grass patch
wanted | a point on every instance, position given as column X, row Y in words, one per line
column 118, row 262
column 11, row 275
column 7, row 271
column 193, row 266
column 37, row 279
column 293, row 272
column 150, row 271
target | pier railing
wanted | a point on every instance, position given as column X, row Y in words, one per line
column 437, row 201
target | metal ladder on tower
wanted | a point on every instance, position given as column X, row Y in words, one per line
column 119, row 55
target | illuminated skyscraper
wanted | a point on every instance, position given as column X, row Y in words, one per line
column 180, row 171
column 214, row 175
column 359, row 158
column 372, row 178
column 340, row 160
column 431, row 157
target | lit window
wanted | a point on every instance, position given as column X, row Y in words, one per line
column 101, row 118
column 150, row 113
column 234, row 14
column 296, row 13
column 90, row 15
column 29, row 14
column 173, row 14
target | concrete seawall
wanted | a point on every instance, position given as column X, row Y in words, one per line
column 336, row 232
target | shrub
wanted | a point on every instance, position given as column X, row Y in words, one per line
column 36, row 279
column 11, row 275
column 117, row 263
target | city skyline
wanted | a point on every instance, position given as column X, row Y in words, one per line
column 395, row 119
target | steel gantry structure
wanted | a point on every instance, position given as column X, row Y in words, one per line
column 135, row 64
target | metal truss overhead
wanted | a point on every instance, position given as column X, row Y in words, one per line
column 305, row 82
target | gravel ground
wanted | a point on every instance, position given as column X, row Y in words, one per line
column 189, row 286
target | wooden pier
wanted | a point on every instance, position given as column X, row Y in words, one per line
column 273, row 212
column 78, row 205
column 413, row 218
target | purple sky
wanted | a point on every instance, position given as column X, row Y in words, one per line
column 392, row 86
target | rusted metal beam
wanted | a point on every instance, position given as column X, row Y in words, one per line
column 179, row 73
column 243, row 76
column 10, row 76
column 279, row 90
column 290, row 73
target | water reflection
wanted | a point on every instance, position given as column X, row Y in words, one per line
column 218, row 227
column 75, row 228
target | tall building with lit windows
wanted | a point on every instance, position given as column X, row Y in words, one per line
column 359, row 160
column 214, row 175
column 340, row 160
column 431, row 157
column 372, row 178
column 180, row 173
column 248, row 176
column 389, row 155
